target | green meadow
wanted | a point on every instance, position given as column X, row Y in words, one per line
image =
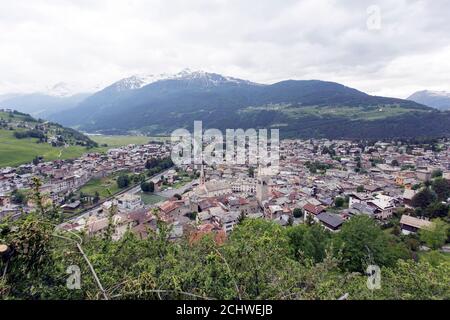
column 106, row 187
column 14, row 152
column 355, row 113
column 149, row 198
column 117, row 141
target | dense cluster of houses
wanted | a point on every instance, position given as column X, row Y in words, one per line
column 62, row 177
column 227, row 194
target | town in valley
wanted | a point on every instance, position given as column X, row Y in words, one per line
column 318, row 181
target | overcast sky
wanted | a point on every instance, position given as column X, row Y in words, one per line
column 96, row 42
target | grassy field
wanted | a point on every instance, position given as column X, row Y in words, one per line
column 105, row 187
column 356, row 113
column 118, row 141
column 150, row 199
column 14, row 152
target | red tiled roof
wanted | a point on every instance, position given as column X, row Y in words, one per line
column 169, row 206
column 220, row 236
column 313, row 209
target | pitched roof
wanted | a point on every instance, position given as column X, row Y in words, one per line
column 141, row 216
column 313, row 209
column 415, row 222
column 363, row 208
column 408, row 194
column 332, row 220
column 98, row 225
column 168, row 206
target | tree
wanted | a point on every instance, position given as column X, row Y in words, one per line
column 148, row 186
column 290, row 221
column 19, row 197
column 437, row 210
column 360, row 189
column 308, row 242
column 363, row 242
column 407, row 280
column 436, row 173
column 83, row 197
column 256, row 264
column 138, row 178
column 96, row 198
column 110, row 230
column 192, row 215
column 151, row 163
column 251, row 172
column 30, row 262
column 123, row 181
column 339, row 202
column 259, row 260
column 298, row 213
column 395, row 163
column 423, row 198
column 442, row 188
column 436, row 235
column 36, row 160
column 177, row 196
column 242, row 216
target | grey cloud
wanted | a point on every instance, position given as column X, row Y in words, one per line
column 99, row 41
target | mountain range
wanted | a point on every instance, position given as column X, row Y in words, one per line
column 436, row 99
column 159, row 104
column 56, row 98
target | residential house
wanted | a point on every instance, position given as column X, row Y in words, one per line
column 312, row 210
column 330, row 221
column 410, row 224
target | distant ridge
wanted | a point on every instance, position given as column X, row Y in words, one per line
column 436, row 99
column 159, row 104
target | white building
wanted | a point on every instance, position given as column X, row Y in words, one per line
column 129, row 202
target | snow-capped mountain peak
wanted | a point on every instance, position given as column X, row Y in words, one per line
column 207, row 79
column 138, row 81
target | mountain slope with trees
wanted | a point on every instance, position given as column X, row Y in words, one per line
column 303, row 109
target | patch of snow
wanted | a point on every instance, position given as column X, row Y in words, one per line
column 209, row 79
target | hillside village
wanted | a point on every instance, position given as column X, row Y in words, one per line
column 25, row 126
column 345, row 179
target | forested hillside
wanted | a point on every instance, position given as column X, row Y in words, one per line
column 302, row 109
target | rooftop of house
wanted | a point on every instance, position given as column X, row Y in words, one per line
column 383, row 201
column 363, row 208
column 408, row 194
column 330, row 219
column 168, row 206
column 415, row 222
column 97, row 225
column 313, row 209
